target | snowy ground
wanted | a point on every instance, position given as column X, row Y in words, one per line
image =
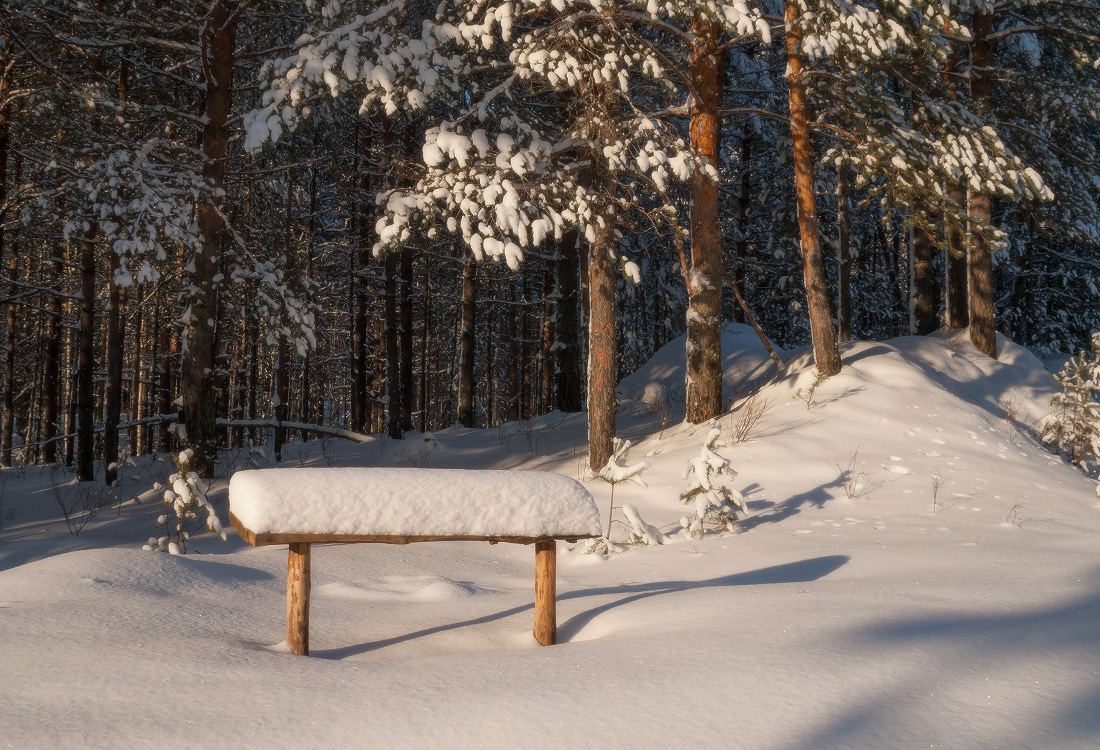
column 877, row 620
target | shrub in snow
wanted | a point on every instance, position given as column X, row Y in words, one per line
column 1073, row 426
column 715, row 502
column 186, row 497
column 638, row 532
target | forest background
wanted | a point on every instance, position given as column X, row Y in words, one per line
column 228, row 222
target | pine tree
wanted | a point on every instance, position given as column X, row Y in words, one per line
column 1073, row 425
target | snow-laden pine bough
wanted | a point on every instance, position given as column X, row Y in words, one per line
column 301, row 507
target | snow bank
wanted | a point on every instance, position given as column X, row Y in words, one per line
column 744, row 360
column 418, row 502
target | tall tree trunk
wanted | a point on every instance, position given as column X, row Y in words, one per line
column 602, row 344
column 514, row 353
column 567, row 337
column 957, row 307
column 168, row 346
column 826, row 354
column 466, row 343
column 549, row 311
column 113, row 391
column 197, row 371
column 85, row 364
column 311, row 230
column 362, row 377
column 51, row 378
column 393, row 364
column 137, row 383
column 524, row 349
column 10, row 385
column 406, row 328
column 282, row 398
column 425, row 345
column 844, row 248
column 704, row 282
column 8, row 429
column 744, row 203
column 983, row 332
column 922, row 305
column 282, row 357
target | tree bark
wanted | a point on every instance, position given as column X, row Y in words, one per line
column 7, row 439
column 704, row 285
column 197, row 371
column 549, row 310
column 922, row 304
column 826, row 353
column 844, row 249
column 137, row 383
column 514, row 355
column 113, row 392
column 466, row 343
column 85, row 363
column 957, row 307
column 983, row 332
column 406, row 329
column 393, row 365
column 567, row 338
column 52, row 367
column 602, row 343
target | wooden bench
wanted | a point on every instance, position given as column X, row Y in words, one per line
column 305, row 506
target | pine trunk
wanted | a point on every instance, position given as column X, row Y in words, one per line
column 51, row 378
column 393, row 365
column 704, row 285
column 406, row 329
column 7, row 438
column 466, row 344
column 549, row 308
column 826, row 354
column 983, row 332
column 922, row 305
column 9, row 394
column 844, row 249
column 197, row 371
column 956, row 308
column 113, row 392
column 567, row 353
column 602, row 355
column 85, row 363
column 137, row 383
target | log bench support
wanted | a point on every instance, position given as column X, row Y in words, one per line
column 297, row 598
column 298, row 587
column 546, row 615
column 306, row 506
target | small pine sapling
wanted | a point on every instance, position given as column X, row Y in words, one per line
column 1073, row 426
column 616, row 471
column 639, row 533
column 716, row 503
column 186, row 496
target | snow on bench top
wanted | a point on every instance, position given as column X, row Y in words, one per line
column 412, row 502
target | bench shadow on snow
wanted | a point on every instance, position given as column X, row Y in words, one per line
column 988, row 644
column 796, row 572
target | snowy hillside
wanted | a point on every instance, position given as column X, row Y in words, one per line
column 915, row 572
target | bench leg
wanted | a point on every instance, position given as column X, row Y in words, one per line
column 546, row 618
column 297, row 599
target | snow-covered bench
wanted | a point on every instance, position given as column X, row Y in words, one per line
column 303, row 506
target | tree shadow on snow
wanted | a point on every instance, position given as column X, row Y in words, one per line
column 796, row 572
column 817, row 497
column 1044, row 660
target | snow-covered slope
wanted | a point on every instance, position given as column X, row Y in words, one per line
column 904, row 615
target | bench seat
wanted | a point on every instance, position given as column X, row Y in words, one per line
column 303, row 506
